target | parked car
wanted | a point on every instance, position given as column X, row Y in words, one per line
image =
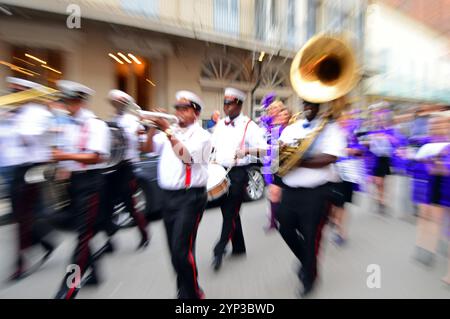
column 148, row 197
column 148, row 194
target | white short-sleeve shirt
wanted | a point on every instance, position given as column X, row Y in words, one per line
column 227, row 139
column 33, row 126
column 171, row 170
column 130, row 124
column 330, row 141
column 86, row 134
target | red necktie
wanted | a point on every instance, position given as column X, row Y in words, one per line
column 230, row 122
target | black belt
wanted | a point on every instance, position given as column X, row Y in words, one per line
column 303, row 188
column 185, row 190
column 87, row 172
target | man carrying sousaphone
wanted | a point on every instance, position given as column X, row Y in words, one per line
column 310, row 146
column 182, row 176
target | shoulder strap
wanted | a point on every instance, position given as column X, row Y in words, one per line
column 245, row 132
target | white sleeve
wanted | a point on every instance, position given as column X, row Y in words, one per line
column 333, row 141
column 255, row 136
column 99, row 137
column 158, row 142
column 200, row 148
column 34, row 123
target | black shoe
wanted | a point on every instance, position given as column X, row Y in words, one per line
column 307, row 289
column 67, row 293
column 48, row 252
column 217, row 262
column 19, row 274
column 144, row 243
column 238, row 252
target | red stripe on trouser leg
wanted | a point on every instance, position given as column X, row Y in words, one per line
column 84, row 241
column 233, row 222
column 192, row 259
column 26, row 204
column 137, row 215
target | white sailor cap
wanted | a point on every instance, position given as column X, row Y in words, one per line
column 74, row 90
column 120, row 96
column 194, row 100
column 235, row 93
column 22, row 82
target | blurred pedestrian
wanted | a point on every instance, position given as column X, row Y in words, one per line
column 28, row 147
column 86, row 149
column 435, row 156
column 121, row 183
column 215, row 117
column 275, row 119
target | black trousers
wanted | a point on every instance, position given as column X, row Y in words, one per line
column 84, row 192
column 120, row 187
column 26, row 202
column 182, row 212
column 302, row 214
column 230, row 206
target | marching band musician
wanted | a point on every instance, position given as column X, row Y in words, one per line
column 31, row 146
column 121, row 183
column 235, row 137
column 87, row 144
column 303, row 206
column 183, row 176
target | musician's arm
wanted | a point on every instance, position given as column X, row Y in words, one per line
column 97, row 145
column 333, row 147
column 180, row 150
column 85, row 158
column 318, row 161
column 147, row 146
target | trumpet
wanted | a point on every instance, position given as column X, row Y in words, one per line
column 136, row 110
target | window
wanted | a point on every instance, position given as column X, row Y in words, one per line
column 23, row 65
column 291, row 30
column 226, row 16
column 312, row 18
column 132, row 79
column 148, row 8
column 260, row 19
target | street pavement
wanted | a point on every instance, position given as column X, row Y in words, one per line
column 267, row 271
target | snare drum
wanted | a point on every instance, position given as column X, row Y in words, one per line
column 218, row 182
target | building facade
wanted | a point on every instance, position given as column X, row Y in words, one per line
column 198, row 45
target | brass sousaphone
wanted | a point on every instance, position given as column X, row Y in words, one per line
column 324, row 70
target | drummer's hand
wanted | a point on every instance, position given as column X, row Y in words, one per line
column 57, row 154
column 62, row 174
column 241, row 153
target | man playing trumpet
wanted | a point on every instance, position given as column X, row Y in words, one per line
column 183, row 176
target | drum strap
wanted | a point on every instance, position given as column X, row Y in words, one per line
column 245, row 132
